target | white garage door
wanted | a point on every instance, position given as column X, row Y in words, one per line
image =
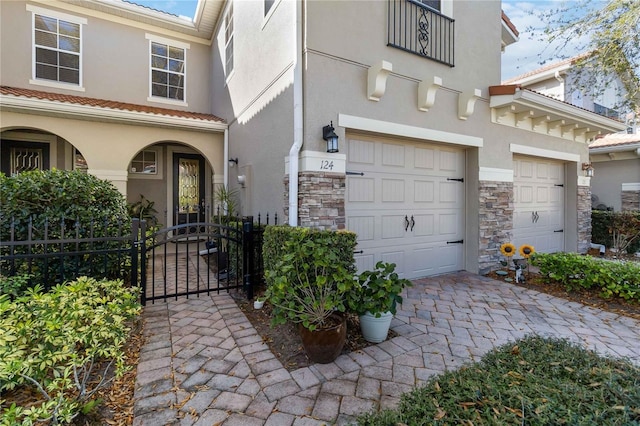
column 408, row 207
column 538, row 217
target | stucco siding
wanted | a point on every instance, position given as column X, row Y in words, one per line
column 115, row 59
column 608, row 178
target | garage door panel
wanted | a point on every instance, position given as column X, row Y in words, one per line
column 424, row 158
column 393, row 155
column 448, row 224
column 365, row 262
column 424, row 225
column 525, row 193
column 361, row 190
column 364, row 226
column 542, row 194
column 423, row 191
column 397, row 257
column 393, row 190
column 393, row 226
column 449, row 192
column 449, row 161
column 361, row 152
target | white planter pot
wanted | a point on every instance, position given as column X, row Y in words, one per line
column 258, row 304
column 374, row 329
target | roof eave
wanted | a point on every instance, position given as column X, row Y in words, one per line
column 84, row 112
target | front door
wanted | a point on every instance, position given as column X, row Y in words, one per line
column 188, row 188
column 18, row 156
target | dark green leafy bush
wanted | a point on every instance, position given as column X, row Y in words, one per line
column 59, row 204
column 310, row 275
column 575, row 271
column 55, row 343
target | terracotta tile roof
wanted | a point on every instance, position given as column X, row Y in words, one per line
column 103, row 103
column 510, row 24
column 616, row 139
column 510, row 89
column 548, row 67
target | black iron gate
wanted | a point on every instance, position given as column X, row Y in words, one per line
column 194, row 258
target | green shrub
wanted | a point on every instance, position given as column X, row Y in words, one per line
column 54, row 342
column 575, row 271
column 533, row 381
column 72, row 204
column 311, row 274
column 605, row 223
column 275, row 237
column 14, row 286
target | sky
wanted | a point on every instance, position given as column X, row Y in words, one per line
column 525, row 55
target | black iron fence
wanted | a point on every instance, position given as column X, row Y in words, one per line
column 59, row 251
column 417, row 28
column 183, row 260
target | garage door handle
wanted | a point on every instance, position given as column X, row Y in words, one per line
column 406, row 223
column 534, row 217
column 413, row 223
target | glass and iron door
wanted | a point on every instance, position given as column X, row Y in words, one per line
column 17, row 156
column 188, row 188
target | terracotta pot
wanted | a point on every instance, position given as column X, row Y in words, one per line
column 324, row 345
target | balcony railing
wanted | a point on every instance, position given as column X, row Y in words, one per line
column 419, row 29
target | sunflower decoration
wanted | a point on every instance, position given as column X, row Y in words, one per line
column 508, row 249
column 526, row 251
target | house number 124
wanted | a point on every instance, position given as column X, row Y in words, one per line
column 326, row 165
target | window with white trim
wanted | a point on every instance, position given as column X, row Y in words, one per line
column 228, row 40
column 145, row 162
column 168, row 71
column 57, row 49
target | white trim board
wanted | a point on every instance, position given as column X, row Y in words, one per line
column 495, row 175
column 632, row 186
column 396, row 129
column 544, row 153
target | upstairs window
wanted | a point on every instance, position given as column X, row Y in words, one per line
column 433, row 4
column 57, row 47
column 267, row 6
column 228, row 40
column 168, row 70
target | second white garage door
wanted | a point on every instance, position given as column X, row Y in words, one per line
column 407, row 207
column 538, row 217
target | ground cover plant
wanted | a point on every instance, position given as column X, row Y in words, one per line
column 534, row 381
column 61, row 347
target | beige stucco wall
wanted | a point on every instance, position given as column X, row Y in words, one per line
column 109, row 147
column 256, row 99
column 115, row 58
column 609, row 176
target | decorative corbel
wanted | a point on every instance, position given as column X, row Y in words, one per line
column 427, row 93
column 568, row 128
column 591, row 135
column 540, row 120
column 554, row 124
column 377, row 80
column 581, row 131
column 503, row 111
column 522, row 116
column 466, row 103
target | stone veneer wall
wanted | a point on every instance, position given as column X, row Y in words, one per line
column 584, row 218
column 496, row 222
column 320, row 200
column 630, row 200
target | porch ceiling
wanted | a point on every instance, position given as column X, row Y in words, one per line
column 518, row 107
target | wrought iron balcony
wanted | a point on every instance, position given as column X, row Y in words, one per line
column 419, row 29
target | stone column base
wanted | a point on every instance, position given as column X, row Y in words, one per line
column 496, row 222
column 321, row 203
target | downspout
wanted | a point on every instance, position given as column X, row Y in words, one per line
column 297, row 118
column 226, row 158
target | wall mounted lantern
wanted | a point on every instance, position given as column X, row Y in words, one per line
column 588, row 169
column 329, row 135
column 233, row 162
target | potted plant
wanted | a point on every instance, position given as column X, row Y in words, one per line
column 308, row 286
column 375, row 298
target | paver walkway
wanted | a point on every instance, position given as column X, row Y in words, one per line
column 204, row 363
